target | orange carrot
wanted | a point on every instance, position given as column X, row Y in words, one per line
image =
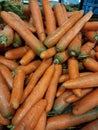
column 37, row 19
column 28, row 37
column 27, row 58
column 60, row 91
column 53, row 38
column 36, row 76
column 16, row 53
column 48, row 53
column 66, row 39
column 51, row 92
column 69, row 14
column 36, row 94
column 18, row 86
column 89, row 101
column 4, row 121
column 49, row 17
column 63, row 77
column 64, row 11
column 93, row 53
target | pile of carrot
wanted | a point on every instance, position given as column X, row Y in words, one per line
column 48, row 69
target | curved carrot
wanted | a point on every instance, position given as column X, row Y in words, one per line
column 4, row 121
column 53, row 38
column 37, row 19
column 66, row 39
column 60, row 91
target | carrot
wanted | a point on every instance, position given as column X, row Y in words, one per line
column 88, row 102
column 42, row 122
column 29, row 122
column 48, row 53
column 61, row 57
column 4, row 121
column 26, row 11
column 92, row 36
column 18, row 87
column 60, row 103
column 32, row 66
column 6, row 73
column 59, row 14
column 60, row 91
column 66, row 39
column 36, row 94
column 37, row 19
column 27, row 57
column 90, row 26
column 28, row 78
column 21, row 29
column 69, row 14
column 86, row 81
column 67, row 120
column 53, row 38
column 9, row 63
column 5, row 109
column 36, row 76
column 16, row 53
column 49, row 17
column 63, row 77
column 90, row 64
column 92, row 53
column 96, row 48
column 51, row 91
column 75, row 45
column 93, row 125
column 85, row 49
column 64, row 11
column 6, row 36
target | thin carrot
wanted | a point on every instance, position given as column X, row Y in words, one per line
column 64, row 11
column 4, row 121
column 37, row 93
column 48, row 53
column 88, row 102
column 69, row 14
column 9, row 63
column 18, row 87
column 27, row 58
column 63, row 77
column 49, row 17
column 51, row 91
column 67, row 120
column 60, row 91
column 53, row 38
column 28, row 37
column 36, row 76
column 37, row 19
column 66, row 39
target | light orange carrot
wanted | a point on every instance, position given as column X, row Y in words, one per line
column 63, row 77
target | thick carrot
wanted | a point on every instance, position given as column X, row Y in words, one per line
column 28, row 37
column 93, row 125
column 49, row 17
column 32, row 66
column 18, row 87
column 30, row 120
column 37, row 19
column 67, row 120
column 9, row 63
column 4, row 121
column 60, row 91
column 89, row 101
column 53, row 38
column 36, row 76
column 51, row 91
column 61, row 57
column 66, row 39
column 42, row 122
column 7, row 75
column 36, row 94
column 48, row 53
column 86, row 81
column 16, row 53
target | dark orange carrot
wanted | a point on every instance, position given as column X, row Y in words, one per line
column 4, row 121
column 7, row 75
column 16, row 53
column 37, row 19
column 53, row 38
column 26, row 11
column 36, row 94
column 36, row 76
column 49, row 17
column 18, row 87
column 9, row 63
column 48, row 53
column 28, row 37
column 63, row 77
column 66, row 39
column 67, row 120
column 27, row 58
column 89, row 101
column 51, row 91
column 30, row 120
column 60, row 91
